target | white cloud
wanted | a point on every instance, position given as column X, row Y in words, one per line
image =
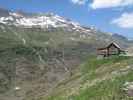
column 79, row 2
column 124, row 21
column 110, row 3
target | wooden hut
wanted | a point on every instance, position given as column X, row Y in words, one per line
column 111, row 49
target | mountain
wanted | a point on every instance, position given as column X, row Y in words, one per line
column 48, row 20
column 38, row 51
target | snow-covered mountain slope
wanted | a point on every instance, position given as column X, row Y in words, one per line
column 51, row 22
column 48, row 20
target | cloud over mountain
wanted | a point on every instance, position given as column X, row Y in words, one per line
column 124, row 21
column 110, row 3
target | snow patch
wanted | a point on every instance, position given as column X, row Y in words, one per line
column 17, row 88
column 15, row 15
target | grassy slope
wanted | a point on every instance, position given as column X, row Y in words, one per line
column 97, row 80
column 17, row 56
column 46, row 43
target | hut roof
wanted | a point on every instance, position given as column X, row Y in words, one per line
column 114, row 44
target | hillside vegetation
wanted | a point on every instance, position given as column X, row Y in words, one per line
column 48, row 61
column 97, row 80
column 37, row 59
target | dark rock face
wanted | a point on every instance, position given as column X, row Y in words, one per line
column 4, row 12
column 130, row 92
